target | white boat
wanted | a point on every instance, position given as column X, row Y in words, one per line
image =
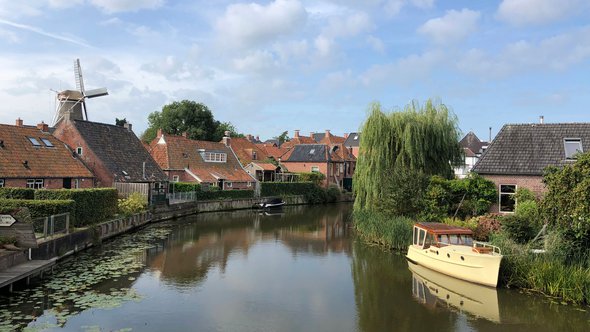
column 452, row 251
column 270, row 203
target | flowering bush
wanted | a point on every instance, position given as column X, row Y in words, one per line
column 486, row 225
column 135, row 203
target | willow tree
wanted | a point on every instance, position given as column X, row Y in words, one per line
column 402, row 145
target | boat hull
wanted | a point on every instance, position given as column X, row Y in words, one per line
column 459, row 262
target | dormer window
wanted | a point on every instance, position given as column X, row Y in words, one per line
column 47, row 142
column 572, row 147
column 79, row 150
column 34, row 141
column 254, row 155
column 214, row 157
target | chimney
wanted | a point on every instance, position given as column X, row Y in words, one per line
column 345, row 135
column 327, row 133
column 226, row 139
column 541, row 119
column 257, row 138
column 311, row 134
column 296, row 133
column 490, row 140
column 249, row 138
column 159, row 134
column 19, row 122
column 44, row 127
column 127, row 126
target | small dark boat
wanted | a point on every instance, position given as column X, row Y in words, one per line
column 270, row 203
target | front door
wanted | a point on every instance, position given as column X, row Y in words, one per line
column 67, row 183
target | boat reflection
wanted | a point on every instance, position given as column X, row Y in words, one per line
column 434, row 290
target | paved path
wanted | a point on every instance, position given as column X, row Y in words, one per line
column 24, row 270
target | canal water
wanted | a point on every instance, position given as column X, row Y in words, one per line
column 300, row 269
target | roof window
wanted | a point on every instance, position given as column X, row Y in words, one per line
column 572, row 147
column 311, row 151
column 34, row 141
column 47, row 142
column 356, row 137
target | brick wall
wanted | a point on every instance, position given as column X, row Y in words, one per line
column 533, row 183
column 299, row 167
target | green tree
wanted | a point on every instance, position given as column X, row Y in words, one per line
column 186, row 116
column 282, row 138
column 120, row 122
column 416, row 142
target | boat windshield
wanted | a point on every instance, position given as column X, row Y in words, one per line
column 456, row 239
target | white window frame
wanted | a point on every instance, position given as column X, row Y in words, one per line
column 214, row 157
column 577, row 141
column 76, row 183
column 35, row 183
column 175, row 178
column 500, row 193
column 229, row 184
column 47, row 142
column 1, row 183
column 315, row 169
column 34, row 141
column 79, row 150
column 249, row 184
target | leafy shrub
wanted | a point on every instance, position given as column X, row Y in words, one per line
column 7, row 240
column 91, row 205
column 317, row 195
column 17, row 193
column 224, row 194
column 518, row 228
column 486, row 226
column 315, row 177
column 135, row 203
column 333, row 194
column 177, row 187
column 42, row 208
column 285, row 188
column 405, row 191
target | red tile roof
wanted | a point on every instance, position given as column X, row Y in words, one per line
column 42, row 161
column 246, row 150
column 298, row 140
column 180, row 153
column 273, row 151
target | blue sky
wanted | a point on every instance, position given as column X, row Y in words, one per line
column 270, row 66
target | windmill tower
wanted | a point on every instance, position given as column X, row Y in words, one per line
column 74, row 101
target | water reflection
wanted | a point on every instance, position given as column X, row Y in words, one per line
column 435, row 290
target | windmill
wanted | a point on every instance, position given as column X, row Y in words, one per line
column 74, row 101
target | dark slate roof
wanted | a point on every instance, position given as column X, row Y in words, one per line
column 472, row 142
column 353, row 140
column 526, row 149
column 120, row 151
column 309, row 152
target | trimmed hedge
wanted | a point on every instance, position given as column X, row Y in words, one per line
column 17, row 193
column 40, row 209
column 91, row 205
column 224, row 194
column 182, row 187
column 286, row 188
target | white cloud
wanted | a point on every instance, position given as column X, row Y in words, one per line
column 115, row 6
column 246, row 25
column 292, row 50
column 404, row 70
column 425, row 4
column 393, row 7
column 256, row 62
column 556, row 53
column 42, row 32
column 341, row 27
column 453, row 27
column 64, row 3
column 9, row 36
column 376, row 43
column 523, row 12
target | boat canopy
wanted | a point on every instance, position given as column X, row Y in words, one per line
column 440, row 228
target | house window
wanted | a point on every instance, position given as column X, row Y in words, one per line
column 47, row 142
column 507, row 199
column 175, row 178
column 1, row 183
column 76, row 183
column 254, row 156
column 79, row 150
column 315, row 168
column 572, row 147
column 214, row 157
column 34, row 141
column 229, row 184
column 35, row 183
column 249, row 184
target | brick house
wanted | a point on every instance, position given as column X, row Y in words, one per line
column 335, row 162
column 187, row 160
column 518, row 155
column 31, row 157
column 114, row 154
column 247, row 150
column 473, row 148
column 297, row 139
column 352, row 143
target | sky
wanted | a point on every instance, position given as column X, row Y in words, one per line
column 271, row 66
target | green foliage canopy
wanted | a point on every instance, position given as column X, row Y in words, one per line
column 194, row 118
column 420, row 140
